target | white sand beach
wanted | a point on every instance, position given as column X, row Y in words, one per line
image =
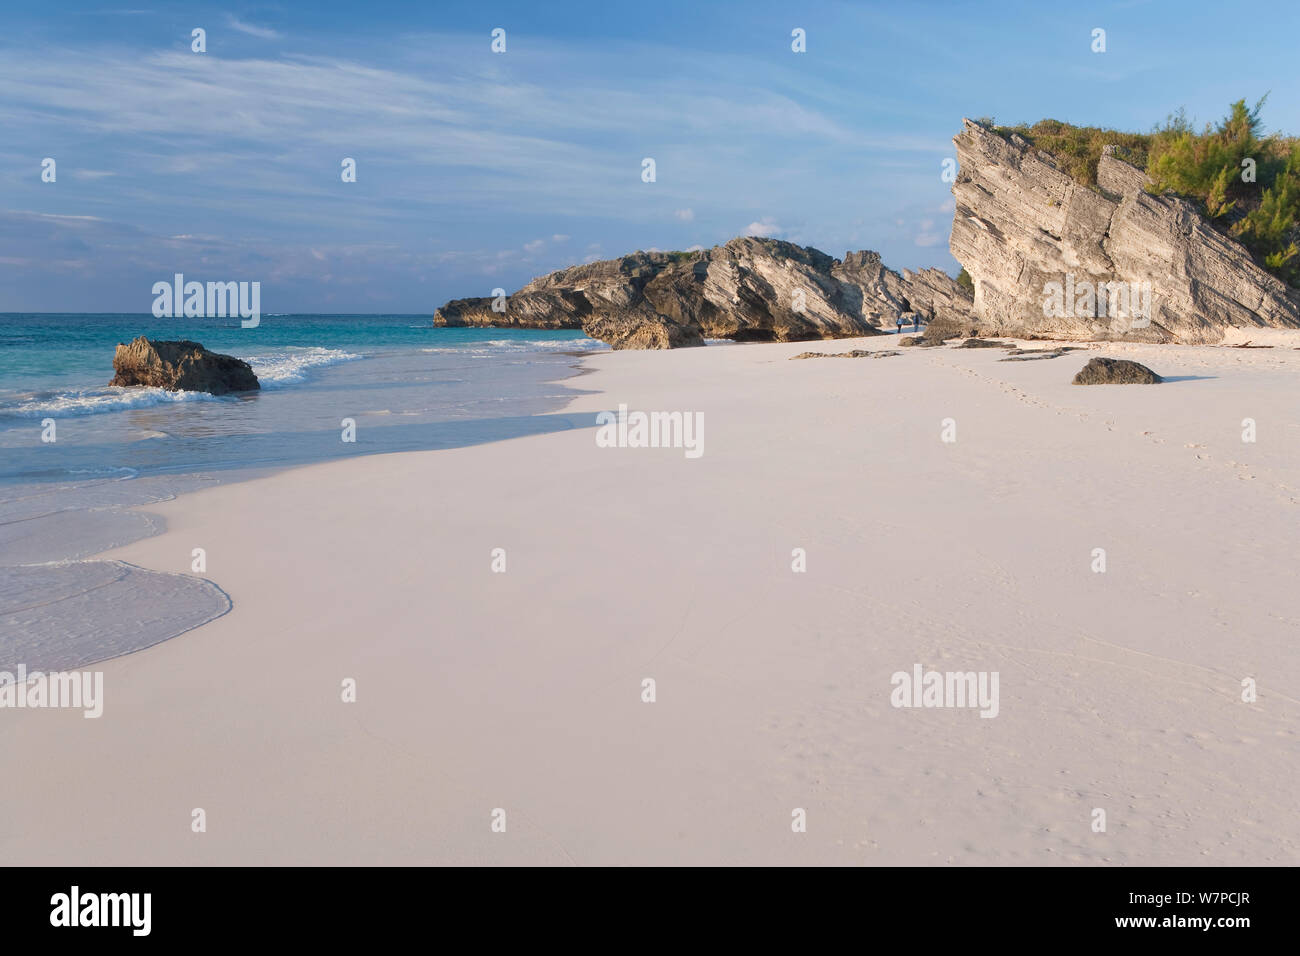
column 522, row 690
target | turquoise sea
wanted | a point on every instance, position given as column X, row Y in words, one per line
column 385, row 372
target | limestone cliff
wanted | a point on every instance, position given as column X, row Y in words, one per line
column 1050, row 256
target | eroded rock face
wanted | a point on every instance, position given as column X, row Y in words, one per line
column 1105, row 371
column 749, row 289
column 934, row 294
column 1022, row 225
column 180, row 366
column 642, row 329
column 941, row 330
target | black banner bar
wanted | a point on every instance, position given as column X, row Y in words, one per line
column 1149, row 906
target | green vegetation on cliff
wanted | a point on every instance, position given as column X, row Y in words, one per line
column 1245, row 183
column 1078, row 148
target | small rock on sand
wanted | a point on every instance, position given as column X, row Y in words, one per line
column 1105, row 371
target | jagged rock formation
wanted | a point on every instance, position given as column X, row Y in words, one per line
column 180, row 366
column 1025, row 231
column 749, row 289
column 643, row 328
column 939, row 331
column 1105, row 371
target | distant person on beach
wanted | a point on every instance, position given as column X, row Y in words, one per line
column 900, row 325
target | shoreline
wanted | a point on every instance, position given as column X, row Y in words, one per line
column 66, row 504
column 773, row 687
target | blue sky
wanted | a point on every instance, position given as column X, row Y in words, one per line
column 477, row 169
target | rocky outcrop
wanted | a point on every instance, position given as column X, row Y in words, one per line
column 748, row 290
column 933, row 294
column 1051, row 257
column 941, row 330
column 853, row 353
column 642, row 329
column 1037, row 355
column 180, row 366
column 560, row 310
column 1104, row 371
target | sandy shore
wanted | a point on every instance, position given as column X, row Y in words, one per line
column 522, row 690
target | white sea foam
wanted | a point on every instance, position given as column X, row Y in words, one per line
column 497, row 346
column 88, row 401
column 291, row 366
column 547, row 345
column 119, row 473
column 288, row 367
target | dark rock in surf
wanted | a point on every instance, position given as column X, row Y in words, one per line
column 181, row 366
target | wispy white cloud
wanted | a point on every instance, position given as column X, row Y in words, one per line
column 263, row 33
column 502, row 137
column 475, row 152
column 54, row 217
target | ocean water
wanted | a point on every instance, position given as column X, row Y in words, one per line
column 385, row 372
column 403, row 383
column 59, row 363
